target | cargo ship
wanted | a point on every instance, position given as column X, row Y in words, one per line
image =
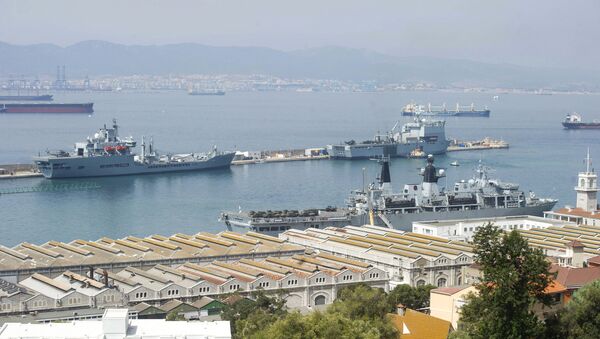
column 45, row 97
column 573, row 121
column 21, row 107
column 413, row 109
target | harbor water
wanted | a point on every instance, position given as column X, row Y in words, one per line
column 542, row 156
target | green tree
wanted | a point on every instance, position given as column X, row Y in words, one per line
column 514, row 278
column 411, row 297
column 581, row 317
column 358, row 312
column 321, row 325
column 248, row 316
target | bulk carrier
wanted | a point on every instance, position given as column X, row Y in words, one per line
column 107, row 154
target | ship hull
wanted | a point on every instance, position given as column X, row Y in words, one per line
column 404, row 222
column 365, row 151
column 581, row 125
column 48, row 108
column 79, row 167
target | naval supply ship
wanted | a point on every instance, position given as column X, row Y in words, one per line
column 574, row 121
column 479, row 197
column 413, row 109
column 421, row 135
column 274, row 222
column 107, row 154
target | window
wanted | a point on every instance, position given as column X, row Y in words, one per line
column 204, row 289
column 234, row 287
column 320, row 300
column 421, row 282
column 441, row 282
column 263, row 284
column 292, row 282
column 373, row 275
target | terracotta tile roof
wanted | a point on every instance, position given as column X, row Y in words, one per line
column 578, row 212
column 574, row 243
column 594, row 260
column 417, row 325
column 573, row 278
column 449, row 290
column 555, row 287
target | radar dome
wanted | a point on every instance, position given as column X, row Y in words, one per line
column 97, row 135
column 471, row 182
column 442, row 172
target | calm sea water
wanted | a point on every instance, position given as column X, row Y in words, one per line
column 543, row 157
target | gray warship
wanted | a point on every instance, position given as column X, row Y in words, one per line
column 478, row 197
column 416, row 138
column 107, row 154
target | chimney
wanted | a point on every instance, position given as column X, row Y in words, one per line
column 401, row 309
column 105, row 275
column 575, row 250
column 91, row 272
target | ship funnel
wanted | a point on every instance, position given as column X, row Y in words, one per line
column 384, row 177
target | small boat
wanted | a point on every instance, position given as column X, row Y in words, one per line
column 417, row 153
column 454, row 163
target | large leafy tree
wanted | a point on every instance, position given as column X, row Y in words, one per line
column 581, row 317
column 412, row 297
column 514, row 278
column 248, row 316
column 358, row 312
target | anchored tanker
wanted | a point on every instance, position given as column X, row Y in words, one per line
column 106, row 154
column 476, row 198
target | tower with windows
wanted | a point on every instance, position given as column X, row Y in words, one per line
column 587, row 187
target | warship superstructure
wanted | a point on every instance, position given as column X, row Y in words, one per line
column 107, row 154
column 420, row 135
column 478, row 197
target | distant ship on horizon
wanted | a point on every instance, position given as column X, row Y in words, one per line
column 413, row 109
column 44, row 97
column 206, row 92
column 574, row 121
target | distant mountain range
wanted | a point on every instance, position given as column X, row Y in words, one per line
column 104, row 58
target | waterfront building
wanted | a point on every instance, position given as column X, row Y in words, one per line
column 115, row 323
column 464, row 229
column 407, row 257
column 53, row 257
column 586, row 211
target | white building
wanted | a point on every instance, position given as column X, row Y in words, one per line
column 464, row 229
column 586, row 211
column 115, row 324
column 408, row 258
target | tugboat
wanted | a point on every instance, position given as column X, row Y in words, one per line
column 107, row 154
column 478, row 197
column 573, row 121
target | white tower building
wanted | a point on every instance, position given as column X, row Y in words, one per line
column 587, row 187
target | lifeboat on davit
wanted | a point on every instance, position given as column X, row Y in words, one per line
column 109, row 149
column 121, row 148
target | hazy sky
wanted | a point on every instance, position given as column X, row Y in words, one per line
column 563, row 33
